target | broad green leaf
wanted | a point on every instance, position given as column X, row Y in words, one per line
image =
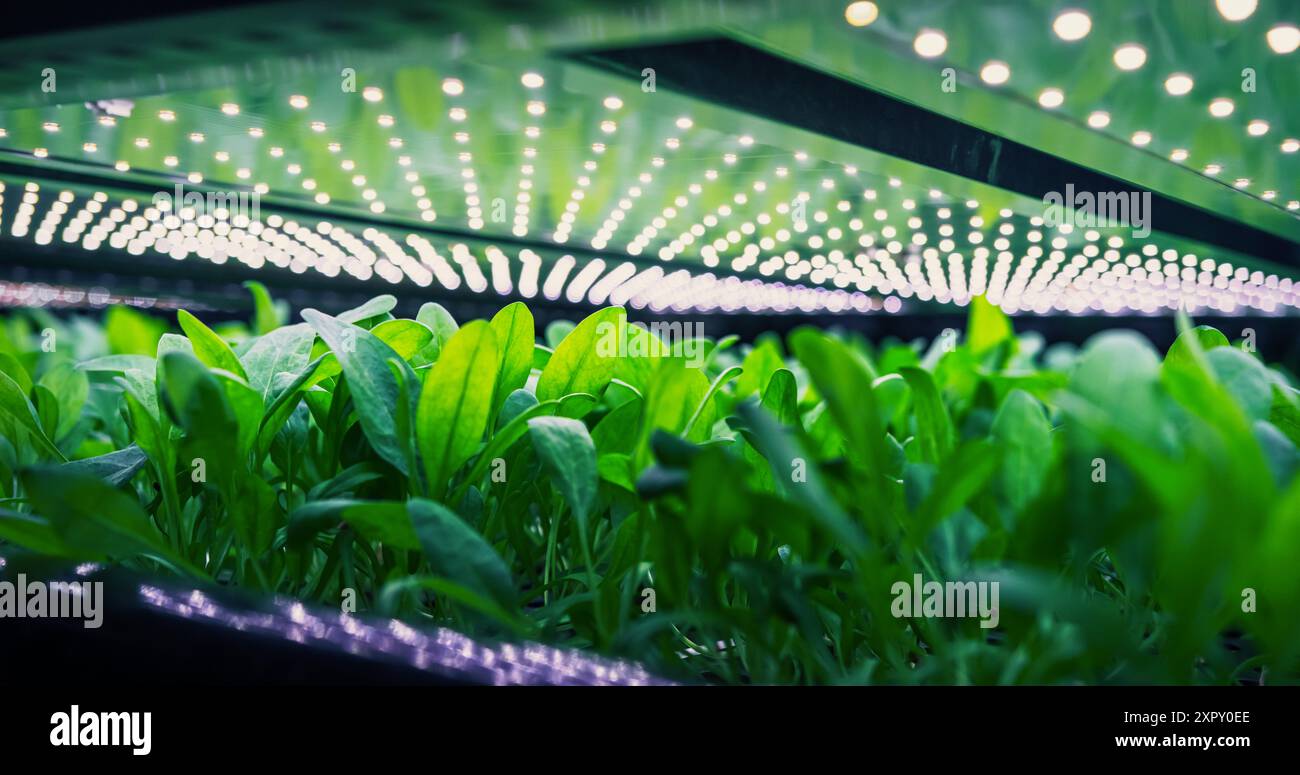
column 15, row 406
column 894, row 358
column 715, row 514
column 516, row 403
column 385, row 522
column 364, row 359
column 694, row 349
column 208, row 347
column 91, row 517
column 456, row 401
column 700, row 424
column 1156, row 467
column 891, row 394
column 247, row 406
column 584, row 362
column 142, row 407
column 116, row 468
column 556, row 332
column 1280, row 451
column 673, row 397
column 643, row 352
column 130, row 332
column 408, row 338
column 1278, row 574
column 513, row 326
column 958, row 479
column 501, row 441
column 1021, row 429
column 198, row 403
column 780, row 397
column 265, row 317
column 253, row 510
column 617, row 431
column 458, row 553
column 408, row 384
column 786, row 455
column 120, row 363
column 541, row 356
column 174, row 343
column 377, row 307
column 1180, row 354
column 762, row 361
column 10, row 365
column 1245, row 378
column 988, row 326
column 33, row 533
column 616, row 469
column 1226, row 388
column 1119, row 372
column 71, row 388
column 286, row 349
column 933, row 425
column 1285, row 412
column 439, row 321
column 844, row 380
column 346, row 481
column 566, row 450
column 47, row 409
column 288, row 390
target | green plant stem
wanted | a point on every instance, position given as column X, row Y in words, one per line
column 553, row 531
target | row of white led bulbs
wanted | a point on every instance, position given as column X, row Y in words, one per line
column 1074, row 25
column 398, row 263
column 179, row 235
column 358, row 250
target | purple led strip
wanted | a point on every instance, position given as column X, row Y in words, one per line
column 437, row 650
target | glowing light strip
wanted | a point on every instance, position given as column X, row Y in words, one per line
column 532, row 264
column 436, row 650
column 500, row 270
column 599, row 293
column 1095, row 275
column 583, row 280
column 554, row 285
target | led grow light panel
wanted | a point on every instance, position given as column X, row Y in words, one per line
column 549, row 174
column 1175, row 95
column 129, row 228
column 1101, row 277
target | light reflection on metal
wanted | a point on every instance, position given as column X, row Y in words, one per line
column 438, row 650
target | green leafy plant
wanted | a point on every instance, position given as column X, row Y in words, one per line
column 742, row 521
